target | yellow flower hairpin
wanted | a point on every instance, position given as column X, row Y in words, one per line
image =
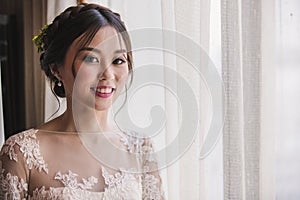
column 38, row 39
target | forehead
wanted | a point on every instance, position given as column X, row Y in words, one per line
column 106, row 38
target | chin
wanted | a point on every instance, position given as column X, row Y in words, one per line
column 102, row 107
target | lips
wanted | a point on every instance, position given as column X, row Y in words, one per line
column 103, row 91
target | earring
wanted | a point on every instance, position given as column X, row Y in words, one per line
column 59, row 89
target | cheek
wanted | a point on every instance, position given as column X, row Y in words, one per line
column 84, row 78
column 122, row 76
column 86, row 74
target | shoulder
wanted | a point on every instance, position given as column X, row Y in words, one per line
column 14, row 171
column 24, row 148
column 16, row 138
column 19, row 143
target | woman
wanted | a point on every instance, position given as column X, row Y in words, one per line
column 82, row 154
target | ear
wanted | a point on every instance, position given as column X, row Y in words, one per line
column 54, row 70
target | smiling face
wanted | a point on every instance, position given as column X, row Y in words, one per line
column 94, row 75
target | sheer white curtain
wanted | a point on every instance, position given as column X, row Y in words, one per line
column 260, row 52
column 191, row 177
column 249, row 45
column 241, row 68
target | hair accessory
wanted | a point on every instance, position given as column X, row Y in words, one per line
column 39, row 39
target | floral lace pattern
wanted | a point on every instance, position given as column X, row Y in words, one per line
column 144, row 148
column 11, row 186
column 121, row 185
column 72, row 188
column 150, row 190
column 138, row 145
column 64, row 193
column 134, row 144
column 29, row 146
column 70, row 180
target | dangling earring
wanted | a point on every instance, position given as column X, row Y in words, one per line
column 59, row 88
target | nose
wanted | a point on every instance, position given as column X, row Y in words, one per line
column 107, row 73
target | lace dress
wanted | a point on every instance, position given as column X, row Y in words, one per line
column 36, row 164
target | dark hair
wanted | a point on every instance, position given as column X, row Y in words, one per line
column 83, row 20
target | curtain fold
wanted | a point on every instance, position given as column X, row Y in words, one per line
column 241, row 68
column 189, row 177
column 173, row 172
column 35, row 18
column 231, row 73
column 251, row 36
column 191, row 170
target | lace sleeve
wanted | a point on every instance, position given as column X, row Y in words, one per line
column 151, row 180
column 13, row 184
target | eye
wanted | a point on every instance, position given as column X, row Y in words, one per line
column 119, row 61
column 91, row 59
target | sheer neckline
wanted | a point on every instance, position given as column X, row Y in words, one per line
column 36, row 130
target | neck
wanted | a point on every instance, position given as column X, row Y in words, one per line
column 81, row 118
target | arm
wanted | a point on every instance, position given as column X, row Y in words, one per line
column 13, row 179
column 151, row 180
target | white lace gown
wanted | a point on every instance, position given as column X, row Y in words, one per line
column 36, row 164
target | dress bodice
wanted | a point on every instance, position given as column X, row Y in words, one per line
column 40, row 165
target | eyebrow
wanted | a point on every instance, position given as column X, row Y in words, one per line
column 99, row 51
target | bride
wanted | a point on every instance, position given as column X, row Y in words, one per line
column 82, row 154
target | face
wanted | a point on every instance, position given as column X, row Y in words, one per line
column 100, row 70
